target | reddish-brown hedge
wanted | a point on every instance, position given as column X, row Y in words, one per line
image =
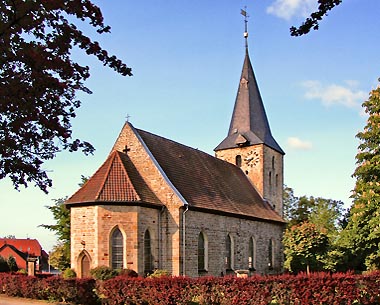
column 317, row 288
column 75, row 291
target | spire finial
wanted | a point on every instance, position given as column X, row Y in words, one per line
column 244, row 13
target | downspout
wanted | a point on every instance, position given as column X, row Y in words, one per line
column 159, row 265
column 184, row 239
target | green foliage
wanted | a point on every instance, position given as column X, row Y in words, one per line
column 11, row 261
column 327, row 216
column 3, row 265
column 305, row 247
column 69, row 274
column 159, row 273
column 362, row 234
column 60, row 256
column 22, row 271
column 40, row 81
column 103, row 273
column 312, row 22
column 62, row 217
column 324, row 213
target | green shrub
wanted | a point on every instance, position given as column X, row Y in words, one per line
column 103, row 273
column 22, row 271
column 159, row 273
column 128, row 273
column 12, row 264
column 69, row 274
column 3, row 265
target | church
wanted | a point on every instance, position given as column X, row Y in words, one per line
column 158, row 204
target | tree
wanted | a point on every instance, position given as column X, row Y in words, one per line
column 39, row 81
column 60, row 256
column 362, row 234
column 60, row 259
column 312, row 22
column 305, row 247
column 12, row 265
column 326, row 216
column 3, row 265
column 10, row 237
column 325, row 213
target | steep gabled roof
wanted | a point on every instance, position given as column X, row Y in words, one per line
column 207, row 182
column 249, row 120
column 117, row 180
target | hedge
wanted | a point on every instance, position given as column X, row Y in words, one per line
column 75, row 291
column 317, row 288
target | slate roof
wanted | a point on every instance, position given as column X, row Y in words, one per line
column 207, row 182
column 117, row 180
column 249, row 124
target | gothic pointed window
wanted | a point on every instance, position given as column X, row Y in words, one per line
column 270, row 182
column 229, row 253
column 148, row 257
column 202, row 252
column 270, row 254
column 117, row 248
column 252, row 254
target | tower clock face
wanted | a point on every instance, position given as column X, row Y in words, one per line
column 252, row 158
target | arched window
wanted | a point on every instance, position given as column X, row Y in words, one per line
column 252, row 254
column 270, row 254
column 229, row 253
column 117, row 248
column 148, row 257
column 238, row 161
column 84, row 261
column 270, row 182
column 276, row 180
column 202, row 252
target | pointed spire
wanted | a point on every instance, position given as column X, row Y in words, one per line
column 249, row 119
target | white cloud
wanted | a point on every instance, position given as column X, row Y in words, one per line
column 286, row 9
column 296, row 143
column 347, row 95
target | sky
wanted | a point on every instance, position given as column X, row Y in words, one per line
column 186, row 57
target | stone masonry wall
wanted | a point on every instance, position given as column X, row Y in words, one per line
column 159, row 185
column 216, row 228
column 263, row 166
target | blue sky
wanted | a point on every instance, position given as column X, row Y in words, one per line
column 187, row 58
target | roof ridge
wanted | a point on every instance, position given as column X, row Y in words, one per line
column 138, row 197
column 112, row 155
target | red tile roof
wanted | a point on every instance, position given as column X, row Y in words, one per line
column 30, row 246
column 207, row 182
column 117, row 180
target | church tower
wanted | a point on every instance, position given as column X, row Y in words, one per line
column 249, row 143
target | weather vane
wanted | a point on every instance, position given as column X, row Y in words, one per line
column 244, row 13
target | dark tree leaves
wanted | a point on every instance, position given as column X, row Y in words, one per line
column 312, row 22
column 39, row 81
